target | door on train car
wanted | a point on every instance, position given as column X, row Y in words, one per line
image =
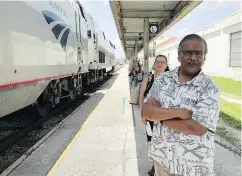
column 96, row 48
column 78, row 38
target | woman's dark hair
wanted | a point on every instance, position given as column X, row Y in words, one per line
column 167, row 68
column 160, row 55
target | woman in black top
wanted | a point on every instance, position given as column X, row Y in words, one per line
column 160, row 65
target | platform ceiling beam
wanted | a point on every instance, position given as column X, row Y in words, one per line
column 129, row 18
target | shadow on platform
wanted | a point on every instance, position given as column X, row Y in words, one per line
column 144, row 164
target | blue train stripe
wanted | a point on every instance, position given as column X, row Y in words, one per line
column 50, row 16
column 64, row 38
column 57, row 30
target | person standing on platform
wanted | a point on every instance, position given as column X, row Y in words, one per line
column 133, row 72
column 184, row 105
column 160, row 65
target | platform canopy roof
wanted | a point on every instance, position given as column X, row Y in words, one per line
column 129, row 18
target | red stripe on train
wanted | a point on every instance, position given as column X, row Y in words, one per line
column 4, row 86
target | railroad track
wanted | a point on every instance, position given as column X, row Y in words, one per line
column 61, row 112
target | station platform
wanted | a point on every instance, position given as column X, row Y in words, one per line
column 106, row 144
column 102, row 138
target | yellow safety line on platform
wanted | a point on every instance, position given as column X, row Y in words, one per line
column 72, row 141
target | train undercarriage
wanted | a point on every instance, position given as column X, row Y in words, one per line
column 69, row 88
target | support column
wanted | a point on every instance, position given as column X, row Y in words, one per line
column 130, row 62
column 132, row 58
column 146, row 46
column 136, row 50
column 153, row 49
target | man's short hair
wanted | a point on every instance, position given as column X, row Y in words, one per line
column 192, row 37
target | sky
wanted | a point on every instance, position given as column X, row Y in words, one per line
column 204, row 14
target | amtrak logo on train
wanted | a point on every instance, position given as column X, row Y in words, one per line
column 60, row 30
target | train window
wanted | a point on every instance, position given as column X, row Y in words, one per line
column 81, row 9
column 103, row 57
column 100, row 57
column 104, row 36
column 94, row 36
column 89, row 34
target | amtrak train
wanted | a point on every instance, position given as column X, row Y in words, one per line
column 49, row 50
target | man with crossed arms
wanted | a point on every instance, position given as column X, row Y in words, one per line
column 184, row 105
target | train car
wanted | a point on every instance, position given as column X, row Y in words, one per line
column 44, row 54
column 101, row 52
